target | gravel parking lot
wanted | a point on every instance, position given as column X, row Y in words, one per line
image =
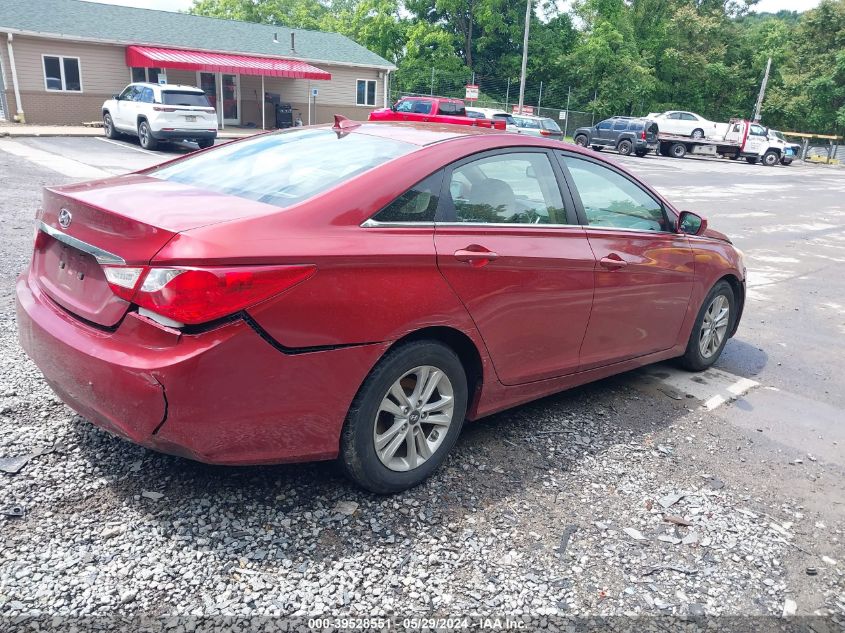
column 625, row 497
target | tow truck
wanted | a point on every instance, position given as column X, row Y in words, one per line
column 741, row 139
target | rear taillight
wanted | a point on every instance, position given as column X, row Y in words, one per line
column 642, row 136
column 545, row 133
column 199, row 295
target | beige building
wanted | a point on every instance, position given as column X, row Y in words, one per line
column 60, row 59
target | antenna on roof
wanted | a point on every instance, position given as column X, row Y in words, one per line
column 275, row 38
column 292, row 42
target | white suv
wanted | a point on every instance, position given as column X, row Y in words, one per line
column 154, row 113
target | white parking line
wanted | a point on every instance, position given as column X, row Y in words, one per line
column 65, row 166
column 126, row 146
column 712, row 388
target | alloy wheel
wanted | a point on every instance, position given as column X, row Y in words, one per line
column 413, row 418
column 714, row 326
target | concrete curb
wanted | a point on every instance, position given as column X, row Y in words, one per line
column 93, row 133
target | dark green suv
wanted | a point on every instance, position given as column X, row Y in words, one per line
column 627, row 135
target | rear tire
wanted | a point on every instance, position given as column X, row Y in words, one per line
column 751, row 160
column 678, row 150
column 581, row 140
column 108, row 126
column 145, row 136
column 205, row 143
column 387, row 412
column 624, row 147
column 711, row 329
column 770, row 159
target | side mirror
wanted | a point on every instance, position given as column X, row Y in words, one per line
column 691, row 223
column 116, row 97
column 393, row 107
column 529, row 172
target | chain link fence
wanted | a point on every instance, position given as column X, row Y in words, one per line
column 497, row 93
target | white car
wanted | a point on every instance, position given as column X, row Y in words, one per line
column 494, row 115
column 161, row 112
column 683, row 123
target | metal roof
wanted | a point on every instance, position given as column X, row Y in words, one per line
column 79, row 20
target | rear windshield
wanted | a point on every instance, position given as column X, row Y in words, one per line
column 284, row 169
column 184, row 98
column 551, row 124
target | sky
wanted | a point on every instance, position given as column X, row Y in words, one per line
column 772, row 6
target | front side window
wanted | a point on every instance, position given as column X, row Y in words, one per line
column 418, row 204
column 611, row 200
column 758, row 130
column 286, row 168
column 604, row 125
column 508, row 188
column 674, row 116
column 62, row 73
column 366, row 93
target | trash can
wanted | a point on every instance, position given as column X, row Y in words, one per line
column 284, row 116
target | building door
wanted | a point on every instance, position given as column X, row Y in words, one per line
column 231, row 102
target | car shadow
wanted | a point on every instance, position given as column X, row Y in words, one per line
column 290, row 513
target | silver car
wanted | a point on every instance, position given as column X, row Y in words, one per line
column 538, row 126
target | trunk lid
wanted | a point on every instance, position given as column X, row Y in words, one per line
column 124, row 220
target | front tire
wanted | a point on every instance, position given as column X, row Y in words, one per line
column 406, row 417
column 108, row 126
column 581, row 140
column 697, row 133
column 145, row 136
column 712, row 328
column 770, row 159
column 624, row 147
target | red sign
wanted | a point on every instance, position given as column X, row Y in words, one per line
column 526, row 109
column 472, row 93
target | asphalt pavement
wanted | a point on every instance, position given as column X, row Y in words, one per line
column 767, row 426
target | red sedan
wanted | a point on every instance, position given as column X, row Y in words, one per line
column 358, row 291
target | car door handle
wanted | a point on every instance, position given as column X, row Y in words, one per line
column 613, row 262
column 475, row 255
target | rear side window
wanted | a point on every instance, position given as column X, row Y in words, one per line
column 418, row 204
column 635, row 126
column 550, row 124
column 531, row 124
column 184, row 98
column 283, row 169
column 422, row 107
column 506, row 117
column 620, row 125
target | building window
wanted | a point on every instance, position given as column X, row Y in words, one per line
column 150, row 75
column 366, row 92
column 62, row 73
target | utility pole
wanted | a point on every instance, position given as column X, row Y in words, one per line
column 524, row 55
column 540, row 98
column 432, row 81
column 566, row 120
column 507, row 94
column 758, row 106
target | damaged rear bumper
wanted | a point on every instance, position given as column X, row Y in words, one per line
column 223, row 396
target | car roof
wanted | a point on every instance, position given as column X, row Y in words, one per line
column 532, row 116
column 182, row 87
column 421, row 133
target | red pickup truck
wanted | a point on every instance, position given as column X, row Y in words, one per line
column 432, row 110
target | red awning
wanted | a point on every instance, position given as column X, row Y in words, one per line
column 150, row 57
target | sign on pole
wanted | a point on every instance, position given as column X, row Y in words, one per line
column 472, row 93
column 562, row 115
column 526, row 109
